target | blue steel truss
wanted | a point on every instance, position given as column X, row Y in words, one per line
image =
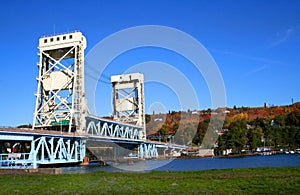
column 45, row 150
column 111, row 131
column 107, row 128
column 147, row 151
column 55, row 150
column 120, row 132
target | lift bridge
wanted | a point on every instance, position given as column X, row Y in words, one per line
column 63, row 129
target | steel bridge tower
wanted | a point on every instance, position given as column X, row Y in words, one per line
column 60, row 101
column 128, row 99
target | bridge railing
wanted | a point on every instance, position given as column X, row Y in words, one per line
column 15, row 160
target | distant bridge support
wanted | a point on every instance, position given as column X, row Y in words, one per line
column 147, row 150
column 128, row 100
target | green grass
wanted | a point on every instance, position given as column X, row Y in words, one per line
column 231, row 181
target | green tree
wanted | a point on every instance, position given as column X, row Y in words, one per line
column 147, row 118
column 201, row 130
column 293, row 118
column 279, row 120
column 254, row 138
column 236, row 135
column 293, row 137
column 275, row 136
column 222, row 144
column 164, row 132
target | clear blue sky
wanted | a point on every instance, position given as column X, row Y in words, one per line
column 256, row 45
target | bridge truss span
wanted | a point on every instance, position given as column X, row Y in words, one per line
column 112, row 129
column 55, row 150
column 32, row 149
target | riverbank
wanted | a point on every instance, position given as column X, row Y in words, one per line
column 21, row 171
column 242, row 181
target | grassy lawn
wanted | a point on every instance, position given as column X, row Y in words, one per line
column 231, row 181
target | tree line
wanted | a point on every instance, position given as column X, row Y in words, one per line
column 239, row 132
column 280, row 132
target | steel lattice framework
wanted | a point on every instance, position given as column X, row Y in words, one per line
column 113, row 130
column 128, row 99
column 44, row 150
column 60, row 94
column 51, row 150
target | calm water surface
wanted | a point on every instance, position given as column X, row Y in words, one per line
column 195, row 164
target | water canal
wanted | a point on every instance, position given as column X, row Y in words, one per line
column 282, row 160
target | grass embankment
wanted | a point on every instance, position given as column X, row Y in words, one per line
column 231, row 181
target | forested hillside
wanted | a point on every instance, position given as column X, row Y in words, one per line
column 244, row 128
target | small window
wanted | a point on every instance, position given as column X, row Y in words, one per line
column 45, row 40
column 51, row 40
column 64, row 37
column 71, row 36
column 57, row 39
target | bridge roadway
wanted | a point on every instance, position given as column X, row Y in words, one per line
column 103, row 139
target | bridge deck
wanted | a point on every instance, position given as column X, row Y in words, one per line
column 83, row 135
column 55, row 147
column 37, row 132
